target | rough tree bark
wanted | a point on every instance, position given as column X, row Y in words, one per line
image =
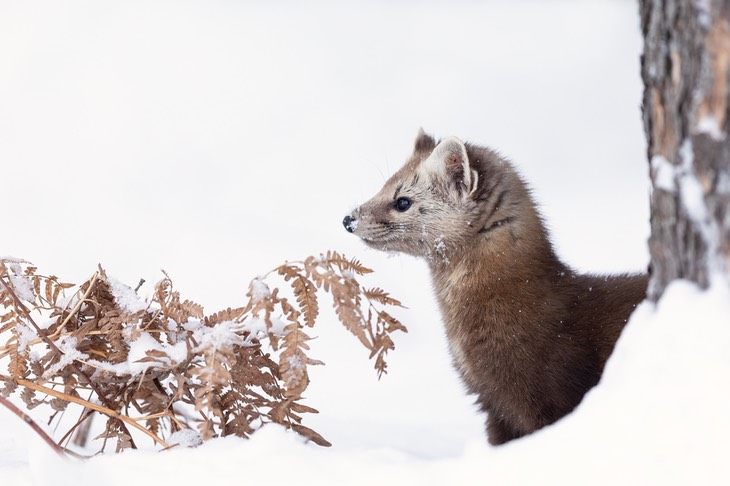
column 685, row 68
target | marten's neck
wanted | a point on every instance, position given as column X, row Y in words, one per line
column 512, row 248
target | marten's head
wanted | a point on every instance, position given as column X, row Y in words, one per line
column 445, row 195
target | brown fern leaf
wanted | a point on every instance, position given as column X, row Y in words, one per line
column 306, row 295
column 289, row 310
column 114, row 431
column 226, row 378
column 279, row 413
column 349, row 313
column 312, row 267
column 28, row 397
column 36, row 369
column 311, row 435
column 389, row 323
column 223, row 316
column 288, row 271
column 58, row 405
column 207, row 429
column 299, row 408
column 36, row 279
column 153, row 426
column 380, row 296
column 170, row 304
column 353, row 265
column 5, row 300
column 238, row 422
column 230, row 399
column 110, row 320
column 193, row 309
column 255, row 369
column 49, row 289
column 8, row 388
column 18, row 364
column 162, row 289
column 293, row 361
column 8, row 321
column 380, row 365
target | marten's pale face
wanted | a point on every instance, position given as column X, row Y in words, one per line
column 425, row 209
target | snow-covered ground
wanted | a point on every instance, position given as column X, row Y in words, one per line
column 218, row 139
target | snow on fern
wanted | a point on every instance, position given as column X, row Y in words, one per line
column 25, row 335
column 259, row 290
column 68, row 347
column 222, row 335
column 125, row 297
column 164, row 367
column 23, row 288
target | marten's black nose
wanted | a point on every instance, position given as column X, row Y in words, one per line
column 349, row 223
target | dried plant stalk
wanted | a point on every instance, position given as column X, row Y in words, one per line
column 36, row 428
column 163, row 366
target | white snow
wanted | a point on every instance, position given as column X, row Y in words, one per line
column 708, row 124
column 25, row 336
column 218, row 336
column 683, row 179
column 692, row 197
column 185, row 438
column 349, row 274
column 352, row 225
column 125, row 297
column 67, row 346
column 690, row 189
column 704, row 7
column 659, row 416
column 295, row 362
column 257, row 327
column 138, row 348
column 440, row 249
column 229, row 137
column 663, row 173
column 23, row 287
column 259, row 290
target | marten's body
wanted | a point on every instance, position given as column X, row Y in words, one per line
column 528, row 335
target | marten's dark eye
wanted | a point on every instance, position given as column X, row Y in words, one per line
column 402, row 204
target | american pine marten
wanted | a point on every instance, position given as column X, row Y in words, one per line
column 529, row 335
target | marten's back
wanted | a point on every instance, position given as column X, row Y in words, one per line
column 602, row 306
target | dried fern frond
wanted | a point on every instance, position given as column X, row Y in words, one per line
column 163, row 365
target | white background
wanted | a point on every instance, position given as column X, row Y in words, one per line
column 218, row 139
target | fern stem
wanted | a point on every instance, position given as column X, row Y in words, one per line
column 55, row 349
column 91, row 405
column 36, row 428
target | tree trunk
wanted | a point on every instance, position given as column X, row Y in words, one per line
column 685, row 69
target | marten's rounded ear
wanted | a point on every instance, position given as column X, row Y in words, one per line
column 424, row 142
column 449, row 158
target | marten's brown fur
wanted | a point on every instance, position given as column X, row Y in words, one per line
column 529, row 335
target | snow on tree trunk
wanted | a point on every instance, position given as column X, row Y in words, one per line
column 685, row 69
